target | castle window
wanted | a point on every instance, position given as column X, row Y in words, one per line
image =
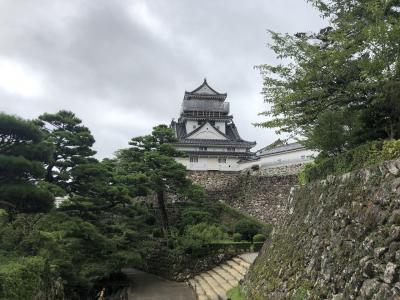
column 222, row 160
column 194, row 159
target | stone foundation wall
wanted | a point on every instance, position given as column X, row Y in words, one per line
column 340, row 240
column 258, row 193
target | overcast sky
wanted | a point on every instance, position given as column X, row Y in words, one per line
column 123, row 66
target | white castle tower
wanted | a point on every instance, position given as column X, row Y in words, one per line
column 207, row 134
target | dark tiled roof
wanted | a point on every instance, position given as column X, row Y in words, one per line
column 201, row 142
column 179, row 128
column 232, row 135
column 281, row 149
column 205, row 105
column 220, row 153
column 205, row 91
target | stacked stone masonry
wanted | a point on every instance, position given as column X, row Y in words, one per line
column 340, row 240
column 260, row 194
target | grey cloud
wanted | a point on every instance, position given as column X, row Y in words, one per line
column 123, row 66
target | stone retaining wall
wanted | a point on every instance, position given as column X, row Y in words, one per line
column 257, row 193
column 340, row 240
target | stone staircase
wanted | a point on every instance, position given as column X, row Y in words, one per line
column 213, row 284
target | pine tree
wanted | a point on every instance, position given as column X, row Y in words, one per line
column 151, row 160
column 22, row 156
column 72, row 145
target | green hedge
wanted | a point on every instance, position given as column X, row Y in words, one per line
column 354, row 159
column 21, row 278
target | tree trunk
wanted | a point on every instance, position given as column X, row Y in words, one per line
column 163, row 212
column 49, row 174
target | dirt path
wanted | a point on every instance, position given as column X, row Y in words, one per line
column 150, row 287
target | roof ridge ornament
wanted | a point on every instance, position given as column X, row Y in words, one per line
column 205, row 91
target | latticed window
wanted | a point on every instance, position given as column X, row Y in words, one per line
column 203, row 148
column 231, row 149
column 194, row 159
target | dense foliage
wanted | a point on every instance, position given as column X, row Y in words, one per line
column 339, row 87
column 23, row 153
column 354, row 159
column 106, row 220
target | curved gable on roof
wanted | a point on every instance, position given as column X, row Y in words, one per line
column 204, row 91
column 207, row 132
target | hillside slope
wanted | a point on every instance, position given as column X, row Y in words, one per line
column 341, row 240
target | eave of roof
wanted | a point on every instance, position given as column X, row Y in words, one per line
column 208, row 86
column 293, row 147
column 219, row 153
column 200, row 142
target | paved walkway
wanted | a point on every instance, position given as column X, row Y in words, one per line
column 150, row 287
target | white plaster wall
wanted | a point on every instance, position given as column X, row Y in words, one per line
column 210, row 163
column 189, row 126
column 208, row 133
column 221, row 126
column 294, row 157
column 211, row 149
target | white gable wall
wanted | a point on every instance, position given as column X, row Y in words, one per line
column 209, row 164
column 191, row 125
column 205, row 90
column 285, row 158
column 207, row 132
column 220, row 126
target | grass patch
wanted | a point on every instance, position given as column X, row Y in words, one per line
column 235, row 294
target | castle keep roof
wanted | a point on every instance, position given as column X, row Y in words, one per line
column 205, row 106
column 204, row 91
column 232, row 134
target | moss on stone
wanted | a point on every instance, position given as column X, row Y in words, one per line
column 336, row 226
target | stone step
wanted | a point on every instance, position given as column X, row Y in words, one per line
column 241, row 262
column 237, row 267
column 249, row 257
column 225, row 274
column 215, row 283
column 225, row 284
column 232, row 272
column 218, row 289
column 200, row 292
column 206, row 287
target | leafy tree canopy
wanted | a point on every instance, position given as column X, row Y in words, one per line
column 351, row 66
column 22, row 157
column 72, row 142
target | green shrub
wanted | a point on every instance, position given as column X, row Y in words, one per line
column 21, row 278
column 205, row 233
column 194, row 215
column 357, row 158
column 247, row 228
column 259, row 237
column 196, row 236
column 391, row 150
column 235, row 294
column 237, row 237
